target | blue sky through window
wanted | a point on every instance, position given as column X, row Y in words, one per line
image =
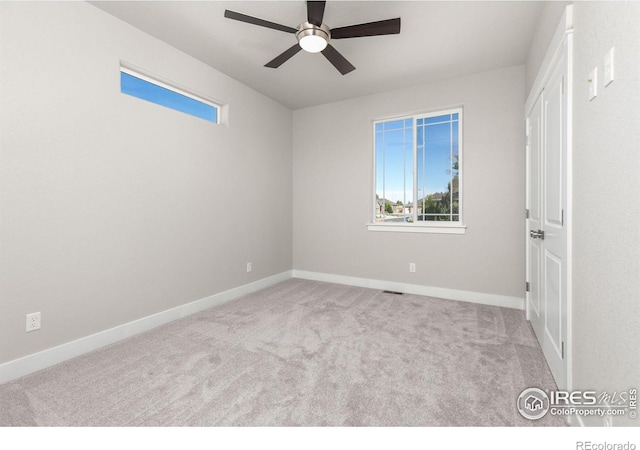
column 394, row 148
column 151, row 92
column 436, row 148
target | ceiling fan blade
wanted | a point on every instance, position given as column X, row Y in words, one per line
column 255, row 21
column 283, row 57
column 382, row 27
column 338, row 61
column 315, row 12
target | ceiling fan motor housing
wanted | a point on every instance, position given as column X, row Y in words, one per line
column 313, row 38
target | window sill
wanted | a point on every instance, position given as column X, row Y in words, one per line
column 413, row 228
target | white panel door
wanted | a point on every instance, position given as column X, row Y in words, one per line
column 534, row 205
column 554, row 256
column 547, row 235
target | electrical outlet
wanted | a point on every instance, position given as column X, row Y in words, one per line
column 33, row 321
column 412, row 267
column 248, row 267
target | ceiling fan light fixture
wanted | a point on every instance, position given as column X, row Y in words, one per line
column 313, row 43
column 312, row 38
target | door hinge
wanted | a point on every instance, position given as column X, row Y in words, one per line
column 562, row 218
column 562, row 349
column 526, row 286
column 526, row 213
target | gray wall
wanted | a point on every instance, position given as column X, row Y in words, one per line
column 114, row 208
column 606, row 247
column 332, row 185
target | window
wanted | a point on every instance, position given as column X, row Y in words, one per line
column 146, row 88
column 418, row 172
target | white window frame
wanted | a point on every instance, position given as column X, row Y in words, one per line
column 129, row 69
column 416, row 226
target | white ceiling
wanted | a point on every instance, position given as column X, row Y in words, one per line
column 438, row 40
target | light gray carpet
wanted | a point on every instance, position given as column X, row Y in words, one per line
column 300, row 353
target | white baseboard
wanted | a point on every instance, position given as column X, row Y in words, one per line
column 449, row 294
column 47, row 358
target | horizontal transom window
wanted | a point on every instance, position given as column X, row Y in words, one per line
column 160, row 93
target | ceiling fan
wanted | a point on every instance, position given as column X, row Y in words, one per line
column 314, row 36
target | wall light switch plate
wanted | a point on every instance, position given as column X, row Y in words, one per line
column 608, row 68
column 593, row 83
